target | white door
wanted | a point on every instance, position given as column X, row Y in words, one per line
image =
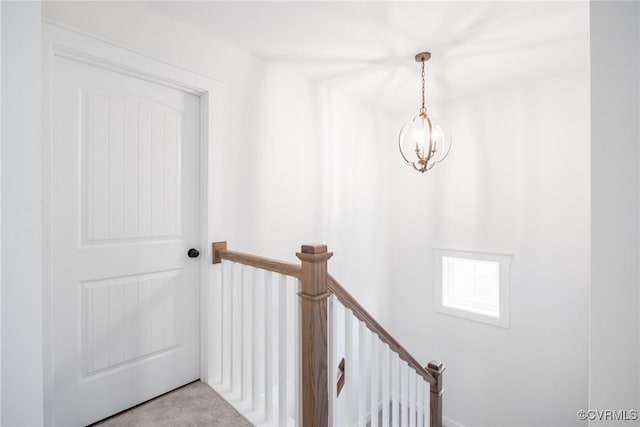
column 125, row 189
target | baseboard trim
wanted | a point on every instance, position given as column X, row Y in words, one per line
column 448, row 422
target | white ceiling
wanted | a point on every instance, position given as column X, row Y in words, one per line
column 366, row 49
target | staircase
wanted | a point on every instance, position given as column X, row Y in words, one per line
column 293, row 347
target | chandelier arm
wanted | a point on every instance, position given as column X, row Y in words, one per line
column 430, row 154
column 447, row 153
column 400, row 144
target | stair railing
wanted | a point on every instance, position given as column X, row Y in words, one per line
column 376, row 382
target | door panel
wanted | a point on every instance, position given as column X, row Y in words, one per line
column 125, row 319
column 141, row 179
column 125, row 212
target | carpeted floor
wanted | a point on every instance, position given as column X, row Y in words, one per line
column 195, row 404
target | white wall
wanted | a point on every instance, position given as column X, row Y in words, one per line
column 0, row 210
column 615, row 185
column 516, row 181
column 21, row 216
column 355, row 142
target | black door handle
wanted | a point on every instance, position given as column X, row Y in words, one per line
column 193, row 253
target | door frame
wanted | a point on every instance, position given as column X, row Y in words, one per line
column 61, row 41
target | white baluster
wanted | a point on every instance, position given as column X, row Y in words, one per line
column 426, row 387
column 228, row 328
column 241, row 326
column 395, row 390
column 404, row 387
column 412, row 397
column 282, row 350
column 255, row 367
column 362, row 371
column 215, row 345
column 268, row 346
column 332, row 357
column 375, row 385
column 292, row 339
column 247, row 335
column 386, row 386
column 420, row 401
column 236, row 361
column 275, row 348
column 224, row 324
column 350, row 386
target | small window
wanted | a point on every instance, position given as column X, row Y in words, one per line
column 473, row 285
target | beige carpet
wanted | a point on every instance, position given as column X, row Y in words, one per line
column 195, row 404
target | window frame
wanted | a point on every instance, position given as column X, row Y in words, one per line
column 504, row 262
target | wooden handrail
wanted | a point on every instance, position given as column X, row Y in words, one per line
column 350, row 302
column 220, row 252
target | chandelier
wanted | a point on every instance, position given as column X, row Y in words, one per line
column 421, row 141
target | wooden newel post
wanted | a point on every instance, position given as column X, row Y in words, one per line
column 436, row 369
column 313, row 298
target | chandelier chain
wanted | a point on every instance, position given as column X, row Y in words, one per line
column 423, row 109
